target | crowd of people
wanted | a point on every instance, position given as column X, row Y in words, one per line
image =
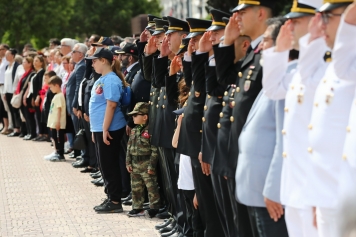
column 237, row 126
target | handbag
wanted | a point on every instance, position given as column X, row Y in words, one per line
column 16, row 100
column 80, row 140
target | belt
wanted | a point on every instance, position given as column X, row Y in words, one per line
column 141, row 158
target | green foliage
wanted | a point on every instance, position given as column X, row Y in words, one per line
column 37, row 21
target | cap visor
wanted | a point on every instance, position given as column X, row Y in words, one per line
column 211, row 28
column 179, row 111
column 91, row 57
column 157, row 32
column 241, row 6
column 170, row 31
column 182, row 50
column 133, row 112
column 192, row 35
column 293, row 15
column 96, row 44
column 120, row 52
column 331, row 6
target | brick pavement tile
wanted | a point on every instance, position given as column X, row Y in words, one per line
column 41, row 198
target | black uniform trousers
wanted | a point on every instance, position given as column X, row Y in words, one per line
column 92, row 161
column 224, row 204
column 109, row 162
column 205, row 195
column 170, row 177
column 192, row 215
column 264, row 226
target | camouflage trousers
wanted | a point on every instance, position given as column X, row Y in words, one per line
column 139, row 179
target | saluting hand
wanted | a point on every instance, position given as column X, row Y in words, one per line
column 232, row 30
column 143, row 36
column 350, row 14
column 190, row 49
column 175, row 67
column 284, row 40
column 316, row 27
column 151, row 46
column 165, row 51
column 274, row 209
column 205, row 44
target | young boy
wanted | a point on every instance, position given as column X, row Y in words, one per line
column 141, row 160
column 46, row 98
column 57, row 118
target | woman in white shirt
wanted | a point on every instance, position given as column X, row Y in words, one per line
column 13, row 73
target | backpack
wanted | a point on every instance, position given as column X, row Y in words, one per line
column 125, row 96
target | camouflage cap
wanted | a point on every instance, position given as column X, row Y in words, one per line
column 140, row 108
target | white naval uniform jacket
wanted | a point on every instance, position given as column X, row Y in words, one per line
column 344, row 57
column 298, row 89
column 327, row 134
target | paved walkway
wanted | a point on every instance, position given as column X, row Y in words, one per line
column 42, row 198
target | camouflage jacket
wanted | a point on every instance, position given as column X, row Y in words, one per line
column 139, row 144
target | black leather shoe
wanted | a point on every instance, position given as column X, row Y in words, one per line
column 168, row 228
column 88, row 170
column 96, row 176
column 14, row 134
column 21, row 135
column 96, row 173
column 99, row 183
column 161, row 210
column 164, row 224
column 170, row 233
column 127, row 198
column 163, row 215
column 109, row 207
column 176, row 234
column 96, row 180
column 81, row 164
column 152, row 212
column 127, row 203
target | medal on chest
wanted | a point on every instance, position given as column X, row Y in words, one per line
column 329, row 96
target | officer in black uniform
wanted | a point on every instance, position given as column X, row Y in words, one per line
column 167, row 103
column 245, row 80
column 189, row 142
column 212, row 110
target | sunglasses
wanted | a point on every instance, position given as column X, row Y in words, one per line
column 75, row 51
column 135, row 115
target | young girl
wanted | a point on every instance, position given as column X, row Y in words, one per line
column 107, row 124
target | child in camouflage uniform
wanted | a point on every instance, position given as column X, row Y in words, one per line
column 141, row 160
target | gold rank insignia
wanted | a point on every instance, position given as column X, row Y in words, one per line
column 247, row 85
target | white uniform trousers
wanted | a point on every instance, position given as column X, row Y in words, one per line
column 327, row 221
column 300, row 222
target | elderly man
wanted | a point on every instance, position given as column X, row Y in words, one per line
column 78, row 54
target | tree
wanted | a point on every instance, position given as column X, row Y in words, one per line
column 37, row 21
